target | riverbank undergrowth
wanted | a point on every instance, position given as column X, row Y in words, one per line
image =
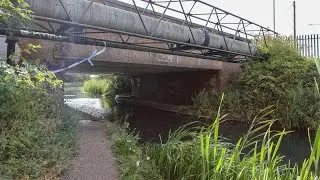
column 205, row 155
column 284, row 81
column 37, row 135
column 199, row 153
column 133, row 162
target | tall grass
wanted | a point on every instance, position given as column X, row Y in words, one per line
column 200, row 154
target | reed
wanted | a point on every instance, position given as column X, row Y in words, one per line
column 199, row 153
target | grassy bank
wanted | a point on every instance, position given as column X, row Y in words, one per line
column 199, row 153
column 133, row 161
column 37, row 135
column 37, row 155
column 205, row 155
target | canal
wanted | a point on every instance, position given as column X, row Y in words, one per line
column 152, row 123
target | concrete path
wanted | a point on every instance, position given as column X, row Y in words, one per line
column 95, row 160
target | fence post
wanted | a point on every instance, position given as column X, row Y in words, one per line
column 318, row 47
column 314, row 46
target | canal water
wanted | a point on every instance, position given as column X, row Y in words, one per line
column 152, row 123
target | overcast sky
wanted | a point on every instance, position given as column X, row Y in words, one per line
column 261, row 12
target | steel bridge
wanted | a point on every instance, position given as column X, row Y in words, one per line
column 198, row 29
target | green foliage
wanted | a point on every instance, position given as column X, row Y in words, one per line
column 134, row 164
column 108, row 85
column 284, row 81
column 35, row 137
column 199, row 153
column 283, row 70
column 119, row 84
column 14, row 15
column 30, row 76
column 301, row 108
column 96, row 87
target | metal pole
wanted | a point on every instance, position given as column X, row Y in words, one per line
column 274, row 15
column 294, row 21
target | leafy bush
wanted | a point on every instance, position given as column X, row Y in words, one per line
column 119, row 84
column 284, row 81
column 108, row 85
column 96, row 86
column 35, row 137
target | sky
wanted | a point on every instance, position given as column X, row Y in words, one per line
column 261, row 12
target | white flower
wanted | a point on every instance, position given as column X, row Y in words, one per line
column 138, row 163
column 148, row 158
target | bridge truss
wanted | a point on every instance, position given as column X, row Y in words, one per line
column 194, row 14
